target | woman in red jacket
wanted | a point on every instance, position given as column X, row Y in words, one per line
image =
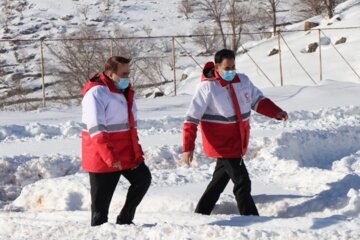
column 222, row 105
column 110, row 145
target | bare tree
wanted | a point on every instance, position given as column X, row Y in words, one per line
column 147, row 30
column 207, row 38
column 165, row 46
column 77, row 60
column 229, row 16
column 108, row 4
column 145, row 71
column 6, row 13
column 330, row 7
column 313, row 6
column 20, row 7
column 273, row 5
column 152, row 71
column 186, row 7
column 216, row 10
column 84, row 9
column 238, row 14
column 260, row 22
column 128, row 46
column 309, row 8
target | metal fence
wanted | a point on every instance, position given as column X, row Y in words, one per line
column 55, row 66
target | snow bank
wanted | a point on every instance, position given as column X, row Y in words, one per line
column 67, row 193
column 38, row 131
column 342, row 197
column 318, row 148
column 19, row 171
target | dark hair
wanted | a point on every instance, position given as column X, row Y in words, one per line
column 222, row 54
column 113, row 62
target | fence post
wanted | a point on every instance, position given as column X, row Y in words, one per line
column 320, row 57
column 174, row 63
column 42, row 70
column 111, row 48
column 280, row 61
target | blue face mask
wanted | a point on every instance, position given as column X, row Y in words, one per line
column 123, row 83
column 229, row 75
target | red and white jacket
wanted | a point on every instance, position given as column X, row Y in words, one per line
column 217, row 105
column 110, row 135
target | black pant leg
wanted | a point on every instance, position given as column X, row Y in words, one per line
column 140, row 180
column 238, row 173
column 102, row 187
column 213, row 191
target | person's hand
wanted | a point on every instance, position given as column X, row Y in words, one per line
column 117, row 165
column 283, row 116
column 188, row 157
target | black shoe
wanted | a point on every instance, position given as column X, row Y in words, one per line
column 120, row 222
column 125, row 223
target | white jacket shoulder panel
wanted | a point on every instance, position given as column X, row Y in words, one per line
column 213, row 102
column 93, row 107
column 105, row 111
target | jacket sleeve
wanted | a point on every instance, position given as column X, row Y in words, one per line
column 195, row 112
column 93, row 106
column 262, row 104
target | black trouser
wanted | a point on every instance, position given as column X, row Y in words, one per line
column 226, row 169
column 102, row 189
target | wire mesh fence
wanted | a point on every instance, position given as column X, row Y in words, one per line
column 48, row 72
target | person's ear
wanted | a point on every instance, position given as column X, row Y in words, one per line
column 218, row 67
column 111, row 74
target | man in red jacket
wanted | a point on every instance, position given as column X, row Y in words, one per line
column 110, row 144
column 222, row 105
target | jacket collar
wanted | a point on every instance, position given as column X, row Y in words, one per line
column 103, row 80
column 210, row 74
column 94, row 81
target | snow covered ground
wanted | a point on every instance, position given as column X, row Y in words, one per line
column 305, row 173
